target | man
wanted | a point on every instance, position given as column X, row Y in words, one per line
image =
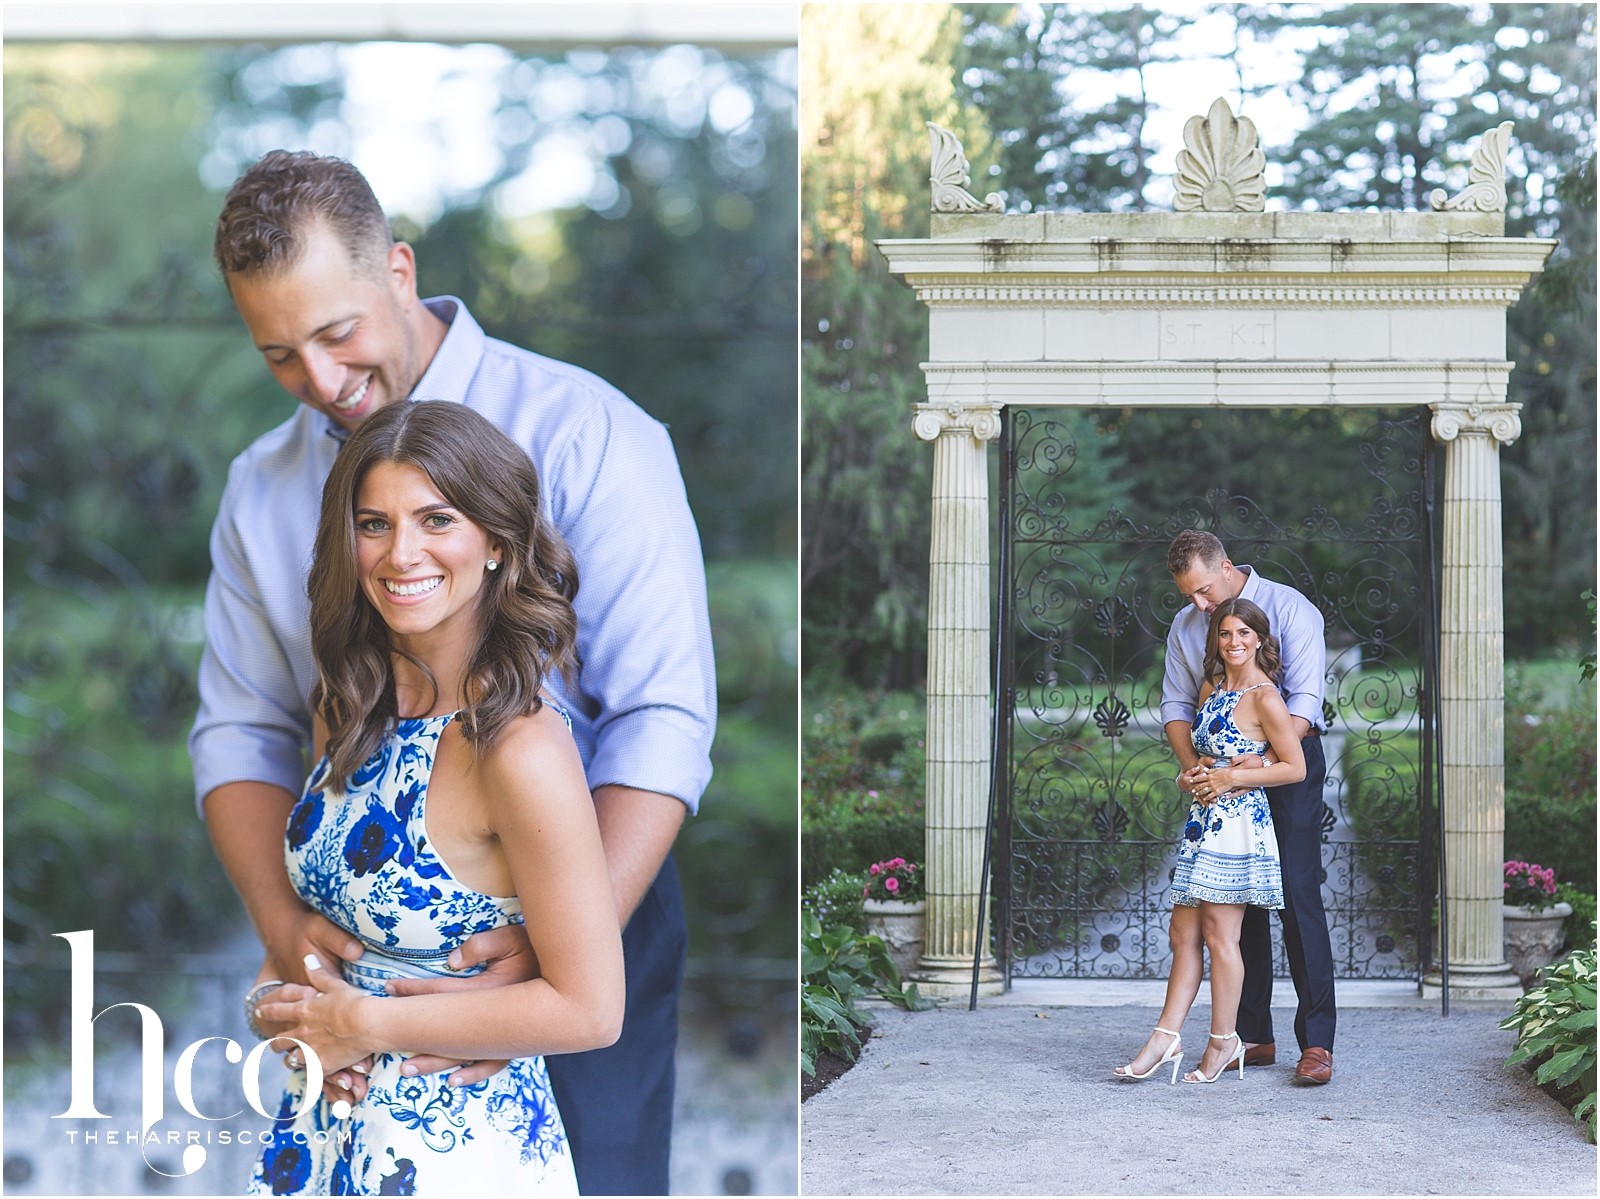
column 331, row 302
column 1205, row 577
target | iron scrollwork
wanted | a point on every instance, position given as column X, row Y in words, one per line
column 1088, row 796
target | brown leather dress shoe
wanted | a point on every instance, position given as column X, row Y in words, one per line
column 1315, row 1068
column 1264, row 1054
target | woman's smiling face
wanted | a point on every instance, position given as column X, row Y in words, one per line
column 1236, row 641
column 421, row 561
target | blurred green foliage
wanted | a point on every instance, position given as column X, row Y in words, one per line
column 861, row 781
column 1550, row 770
column 130, row 384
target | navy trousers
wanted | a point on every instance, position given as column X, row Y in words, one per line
column 617, row 1102
column 1297, row 822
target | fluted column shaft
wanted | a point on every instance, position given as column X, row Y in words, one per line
column 1472, row 690
column 958, row 740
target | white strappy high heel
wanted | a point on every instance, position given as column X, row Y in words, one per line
column 1174, row 1054
column 1238, row 1056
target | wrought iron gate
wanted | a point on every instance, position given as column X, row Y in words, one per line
column 1087, row 809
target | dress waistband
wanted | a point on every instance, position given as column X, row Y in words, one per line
column 376, row 967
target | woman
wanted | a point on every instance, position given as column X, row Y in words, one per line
column 449, row 799
column 1228, row 857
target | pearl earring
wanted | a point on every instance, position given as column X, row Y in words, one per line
column 492, row 564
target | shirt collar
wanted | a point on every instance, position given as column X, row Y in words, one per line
column 454, row 364
column 1251, row 582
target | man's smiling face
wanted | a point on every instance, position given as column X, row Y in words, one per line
column 334, row 333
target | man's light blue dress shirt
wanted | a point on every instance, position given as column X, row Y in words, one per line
column 1294, row 621
column 644, row 704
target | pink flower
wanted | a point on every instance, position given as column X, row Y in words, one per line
column 872, row 795
column 875, row 868
column 891, row 884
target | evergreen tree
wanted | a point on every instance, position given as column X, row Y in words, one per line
column 871, row 75
column 1022, row 70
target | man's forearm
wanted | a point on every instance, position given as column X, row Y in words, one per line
column 637, row 829
column 246, row 822
column 1180, row 736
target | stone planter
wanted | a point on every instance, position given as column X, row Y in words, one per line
column 900, row 925
column 1533, row 935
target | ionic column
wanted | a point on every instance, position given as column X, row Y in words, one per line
column 1472, row 696
column 958, row 741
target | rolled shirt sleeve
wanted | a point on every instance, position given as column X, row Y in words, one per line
column 1304, row 648
column 253, row 722
column 647, row 682
column 1180, row 685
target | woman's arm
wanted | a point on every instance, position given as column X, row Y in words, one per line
column 539, row 808
column 1272, row 714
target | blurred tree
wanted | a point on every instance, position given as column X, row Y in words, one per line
column 871, row 76
column 1025, row 70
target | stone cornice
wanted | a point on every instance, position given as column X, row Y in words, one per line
column 1445, row 385
column 1215, row 260
column 980, row 419
column 1224, row 226
column 1169, row 292
column 1499, row 421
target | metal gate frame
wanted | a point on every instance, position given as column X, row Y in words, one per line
column 1428, row 837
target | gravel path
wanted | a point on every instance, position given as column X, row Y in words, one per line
column 1016, row 1100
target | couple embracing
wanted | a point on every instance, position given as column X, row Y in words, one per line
column 477, row 873
column 1242, row 707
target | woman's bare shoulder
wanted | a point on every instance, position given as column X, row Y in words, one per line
column 533, row 754
column 1265, row 701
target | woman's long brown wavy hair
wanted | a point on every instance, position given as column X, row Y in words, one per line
column 1268, row 655
column 526, row 626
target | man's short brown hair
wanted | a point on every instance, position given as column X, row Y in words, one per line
column 271, row 207
column 1192, row 544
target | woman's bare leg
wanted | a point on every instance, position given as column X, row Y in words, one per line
column 1219, row 925
column 1183, row 984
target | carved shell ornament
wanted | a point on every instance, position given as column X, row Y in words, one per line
column 950, row 177
column 1220, row 167
column 1486, row 176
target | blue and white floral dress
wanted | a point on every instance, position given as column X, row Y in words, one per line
column 362, row 858
column 1229, row 852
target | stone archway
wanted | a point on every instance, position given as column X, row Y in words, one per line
column 1218, row 303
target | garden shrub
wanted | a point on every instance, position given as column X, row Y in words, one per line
column 836, row 901
column 839, row 967
column 1555, row 1025
column 1550, row 781
column 1580, row 926
column 862, row 779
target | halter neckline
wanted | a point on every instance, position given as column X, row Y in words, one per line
column 1246, row 690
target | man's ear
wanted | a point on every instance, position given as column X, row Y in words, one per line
column 401, row 273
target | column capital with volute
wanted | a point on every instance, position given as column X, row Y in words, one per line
column 1501, row 421
column 982, row 421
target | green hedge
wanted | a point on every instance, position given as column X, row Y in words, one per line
column 862, row 776
column 1550, row 777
